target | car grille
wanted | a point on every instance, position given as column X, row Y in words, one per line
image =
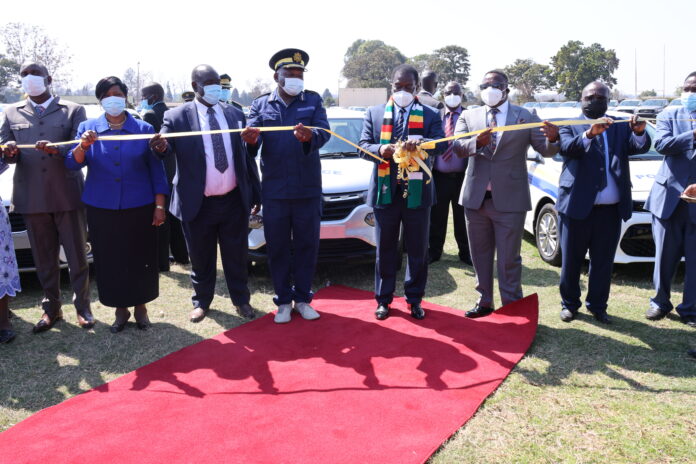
column 638, row 241
column 24, row 258
column 638, row 206
column 17, row 222
column 339, row 206
column 343, row 247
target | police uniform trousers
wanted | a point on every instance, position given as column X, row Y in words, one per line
column 447, row 188
column 416, row 223
column 124, row 245
column 599, row 234
column 170, row 239
column 674, row 238
column 291, row 229
column 222, row 219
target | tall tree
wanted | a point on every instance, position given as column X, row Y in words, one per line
column 235, row 94
column 370, row 63
column 575, row 66
column 170, row 95
column 9, row 70
column 326, row 94
column 528, row 78
column 452, row 64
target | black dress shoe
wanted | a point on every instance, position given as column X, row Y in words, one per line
column 689, row 320
column 416, row 311
column 655, row 314
column 85, row 319
column 478, row 311
column 466, row 259
column 119, row 324
column 47, row 322
column 246, row 311
column 567, row 315
column 602, row 317
column 382, row 312
column 7, row 335
column 692, row 353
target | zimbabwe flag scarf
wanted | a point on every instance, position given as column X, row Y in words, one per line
column 415, row 182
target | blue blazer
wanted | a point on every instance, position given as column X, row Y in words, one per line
column 578, row 185
column 675, row 140
column 121, row 174
column 369, row 140
column 189, row 180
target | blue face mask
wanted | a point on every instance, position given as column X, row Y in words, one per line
column 225, row 95
column 211, row 93
column 144, row 105
column 688, row 99
column 113, row 105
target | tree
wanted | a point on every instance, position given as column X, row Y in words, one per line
column 575, row 66
column 370, row 63
column 451, row 64
column 169, row 95
column 25, row 42
column 130, row 78
column 528, row 78
column 648, row 93
column 9, row 70
column 678, row 91
column 258, row 88
column 326, row 94
column 235, row 95
column 244, row 98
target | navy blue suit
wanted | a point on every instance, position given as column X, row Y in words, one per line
column 674, row 221
column 209, row 220
column 390, row 218
column 291, row 190
column 583, row 224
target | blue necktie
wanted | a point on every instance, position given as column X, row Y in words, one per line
column 602, row 179
column 218, row 145
column 398, row 129
column 39, row 110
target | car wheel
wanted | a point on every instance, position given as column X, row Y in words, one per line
column 546, row 234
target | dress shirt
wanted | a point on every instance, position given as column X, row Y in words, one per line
column 454, row 163
column 44, row 104
column 216, row 182
column 609, row 195
column 500, row 120
column 404, row 121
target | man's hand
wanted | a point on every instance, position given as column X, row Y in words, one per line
column 302, row 133
column 250, row 135
column 597, row 129
column 255, row 209
column 10, row 150
column 41, row 145
column 638, row 127
column 484, row 138
column 550, row 131
column 387, row 151
column 158, row 143
column 690, row 191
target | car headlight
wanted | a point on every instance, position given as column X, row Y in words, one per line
column 370, row 219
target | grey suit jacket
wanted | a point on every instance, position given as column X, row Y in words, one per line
column 42, row 184
column 506, row 167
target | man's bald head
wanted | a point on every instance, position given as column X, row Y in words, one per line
column 153, row 92
column 204, row 72
column 429, row 80
column 596, row 88
column 34, row 68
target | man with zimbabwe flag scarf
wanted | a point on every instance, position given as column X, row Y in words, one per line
column 400, row 195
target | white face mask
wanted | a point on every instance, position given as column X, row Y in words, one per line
column 453, row 101
column 293, row 85
column 491, row 96
column 402, row 98
column 33, row 85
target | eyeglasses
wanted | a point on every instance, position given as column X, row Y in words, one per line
column 495, row 85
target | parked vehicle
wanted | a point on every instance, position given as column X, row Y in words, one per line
column 628, row 106
column 650, row 108
column 675, row 102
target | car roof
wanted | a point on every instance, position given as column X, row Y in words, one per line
column 344, row 113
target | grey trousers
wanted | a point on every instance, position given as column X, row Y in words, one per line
column 494, row 232
column 47, row 231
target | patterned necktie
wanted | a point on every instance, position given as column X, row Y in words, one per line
column 398, row 129
column 449, row 132
column 40, row 110
column 493, row 123
column 602, row 149
column 218, row 145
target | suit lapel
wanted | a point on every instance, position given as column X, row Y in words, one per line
column 54, row 106
column 510, row 119
column 235, row 138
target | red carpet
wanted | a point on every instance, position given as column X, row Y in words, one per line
column 343, row 389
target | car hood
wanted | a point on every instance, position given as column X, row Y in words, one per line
column 345, row 175
column 643, row 176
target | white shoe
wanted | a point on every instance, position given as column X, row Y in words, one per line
column 283, row 314
column 306, row 311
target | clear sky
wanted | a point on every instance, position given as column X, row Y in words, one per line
column 169, row 38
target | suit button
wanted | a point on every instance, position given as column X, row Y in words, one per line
column 41, row 133
column 601, row 169
column 116, row 163
column 40, row 123
column 118, row 179
column 116, row 147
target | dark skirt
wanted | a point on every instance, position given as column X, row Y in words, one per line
column 124, row 246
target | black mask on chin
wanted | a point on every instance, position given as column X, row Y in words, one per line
column 594, row 109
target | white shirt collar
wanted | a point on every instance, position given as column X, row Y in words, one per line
column 44, row 104
column 502, row 108
column 204, row 109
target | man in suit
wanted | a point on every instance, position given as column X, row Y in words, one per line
column 215, row 187
column 495, row 194
column 47, row 194
column 398, row 202
column 448, row 175
column 291, row 168
column 594, row 195
column 170, row 234
column 674, row 220
column 428, row 89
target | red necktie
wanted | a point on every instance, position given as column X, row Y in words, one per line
column 449, row 132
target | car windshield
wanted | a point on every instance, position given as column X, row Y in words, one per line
column 568, row 104
column 349, row 129
column 675, row 102
column 654, row 103
column 629, row 103
column 613, row 103
column 554, row 105
column 652, row 154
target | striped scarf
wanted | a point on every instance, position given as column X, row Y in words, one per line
column 415, row 127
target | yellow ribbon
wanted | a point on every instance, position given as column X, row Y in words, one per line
column 411, row 161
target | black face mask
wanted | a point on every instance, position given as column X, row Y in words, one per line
column 594, row 109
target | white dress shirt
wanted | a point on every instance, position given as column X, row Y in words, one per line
column 44, row 104
column 216, row 182
column 500, row 120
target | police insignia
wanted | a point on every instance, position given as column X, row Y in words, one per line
column 297, row 57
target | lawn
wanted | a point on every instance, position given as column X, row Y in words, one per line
column 585, row 392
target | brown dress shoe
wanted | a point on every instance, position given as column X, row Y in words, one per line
column 85, row 319
column 198, row 314
column 47, row 322
column 246, row 311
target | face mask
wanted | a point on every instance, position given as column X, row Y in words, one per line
column 225, row 95
column 144, row 105
column 113, row 105
column 293, row 86
column 33, row 85
column 491, row 96
column 453, row 101
column 402, row 98
column 594, row 109
column 688, row 100
column 211, row 93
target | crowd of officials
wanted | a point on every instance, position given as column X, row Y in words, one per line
column 146, row 198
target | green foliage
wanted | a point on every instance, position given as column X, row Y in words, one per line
column 369, row 63
column 528, row 78
column 648, row 93
column 451, row 63
column 329, row 102
column 575, row 66
column 326, row 94
column 9, row 70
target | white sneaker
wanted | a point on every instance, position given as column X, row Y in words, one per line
column 306, row 311
column 283, row 314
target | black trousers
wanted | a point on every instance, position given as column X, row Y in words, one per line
column 447, row 188
column 170, row 238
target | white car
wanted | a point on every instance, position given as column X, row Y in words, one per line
column 347, row 223
column 636, row 242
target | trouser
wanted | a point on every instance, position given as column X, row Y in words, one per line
column 447, row 188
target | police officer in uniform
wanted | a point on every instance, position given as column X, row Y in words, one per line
column 187, row 96
column 226, row 94
column 291, row 184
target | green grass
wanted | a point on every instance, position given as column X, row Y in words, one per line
column 584, row 392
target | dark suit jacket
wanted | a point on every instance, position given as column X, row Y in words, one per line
column 189, row 181
column 369, row 140
column 579, row 185
column 155, row 117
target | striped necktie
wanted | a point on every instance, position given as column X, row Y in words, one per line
column 449, row 132
column 398, row 129
column 218, row 144
column 602, row 148
column 493, row 123
column 39, row 110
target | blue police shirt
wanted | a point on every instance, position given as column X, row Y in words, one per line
column 289, row 169
column 120, row 174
